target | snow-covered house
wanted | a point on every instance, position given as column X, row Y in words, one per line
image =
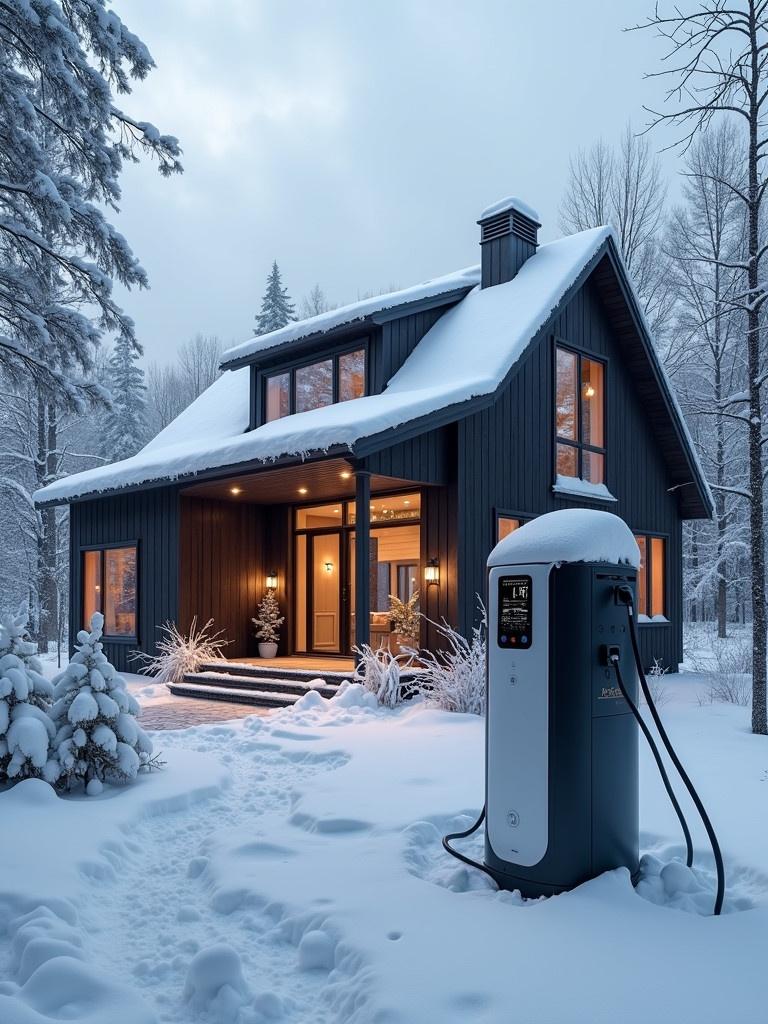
column 384, row 447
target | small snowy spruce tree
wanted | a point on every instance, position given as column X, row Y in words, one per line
column 98, row 738
column 26, row 729
column 269, row 620
column 277, row 310
column 125, row 430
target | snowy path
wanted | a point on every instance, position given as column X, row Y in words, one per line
column 164, row 904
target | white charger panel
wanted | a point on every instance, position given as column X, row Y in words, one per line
column 517, row 749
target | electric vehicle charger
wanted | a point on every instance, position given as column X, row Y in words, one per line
column 561, row 758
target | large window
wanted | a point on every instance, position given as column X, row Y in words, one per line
column 337, row 379
column 580, row 416
column 109, row 586
column 652, row 577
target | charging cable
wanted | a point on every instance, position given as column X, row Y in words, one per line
column 624, row 596
column 463, row 835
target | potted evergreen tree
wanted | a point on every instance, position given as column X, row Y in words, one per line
column 268, row 623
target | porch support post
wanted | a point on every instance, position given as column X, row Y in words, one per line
column 362, row 557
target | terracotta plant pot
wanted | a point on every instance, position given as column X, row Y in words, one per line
column 267, row 650
column 399, row 641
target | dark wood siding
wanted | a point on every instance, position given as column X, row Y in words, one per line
column 505, row 461
column 394, row 342
column 151, row 518
column 427, row 458
column 224, row 550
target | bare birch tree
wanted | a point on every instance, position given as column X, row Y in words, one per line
column 704, row 241
column 623, row 186
column 716, row 61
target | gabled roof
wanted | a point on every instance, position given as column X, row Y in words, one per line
column 437, row 291
column 459, row 364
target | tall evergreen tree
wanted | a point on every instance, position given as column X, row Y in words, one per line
column 277, row 310
column 125, row 430
column 63, row 66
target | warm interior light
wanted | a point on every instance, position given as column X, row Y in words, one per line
column 302, row 490
column 272, row 580
column 329, row 566
column 345, row 474
column 407, row 501
column 589, row 391
column 432, row 571
column 235, row 490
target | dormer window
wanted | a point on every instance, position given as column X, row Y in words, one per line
column 339, row 378
column 579, row 416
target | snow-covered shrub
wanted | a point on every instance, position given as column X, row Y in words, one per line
column 454, row 679
column 268, row 620
column 178, row 654
column 98, row 738
column 380, row 673
column 655, row 676
column 26, row 729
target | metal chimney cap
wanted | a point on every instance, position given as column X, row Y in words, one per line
column 510, row 203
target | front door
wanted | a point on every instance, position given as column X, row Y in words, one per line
column 325, row 591
column 319, row 592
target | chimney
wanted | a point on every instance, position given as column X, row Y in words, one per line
column 508, row 236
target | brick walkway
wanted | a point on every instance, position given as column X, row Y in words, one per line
column 182, row 712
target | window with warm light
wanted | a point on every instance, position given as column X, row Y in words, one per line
column 651, row 577
column 109, row 586
column 338, row 378
column 507, row 524
column 579, row 416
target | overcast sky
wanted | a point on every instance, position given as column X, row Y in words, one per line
column 356, row 141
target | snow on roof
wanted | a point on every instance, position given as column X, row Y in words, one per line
column 569, row 535
column 510, row 203
column 324, row 322
column 466, row 354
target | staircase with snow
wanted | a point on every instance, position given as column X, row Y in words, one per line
column 252, row 684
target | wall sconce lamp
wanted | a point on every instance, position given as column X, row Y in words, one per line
column 328, row 566
column 432, row 572
column 272, row 580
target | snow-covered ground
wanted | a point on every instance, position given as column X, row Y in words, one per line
column 289, row 868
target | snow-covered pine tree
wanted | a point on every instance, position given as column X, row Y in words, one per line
column 125, row 430
column 65, row 139
column 269, row 620
column 98, row 738
column 277, row 310
column 26, row 729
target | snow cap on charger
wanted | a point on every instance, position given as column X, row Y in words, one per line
column 569, row 535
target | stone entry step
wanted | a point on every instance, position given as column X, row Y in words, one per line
column 242, row 670
column 257, row 698
column 264, row 691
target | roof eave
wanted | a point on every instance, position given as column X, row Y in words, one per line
column 448, row 298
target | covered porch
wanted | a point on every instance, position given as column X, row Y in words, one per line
column 338, row 543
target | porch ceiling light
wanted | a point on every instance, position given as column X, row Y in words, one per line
column 272, row 580
column 302, row 490
column 235, row 490
column 345, row 474
column 432, row 572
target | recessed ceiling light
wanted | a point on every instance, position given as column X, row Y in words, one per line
column 302, row 490
column 336, row 511
column 235, row 490
column 407, row 502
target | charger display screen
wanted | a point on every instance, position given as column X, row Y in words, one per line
column 515, row 612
